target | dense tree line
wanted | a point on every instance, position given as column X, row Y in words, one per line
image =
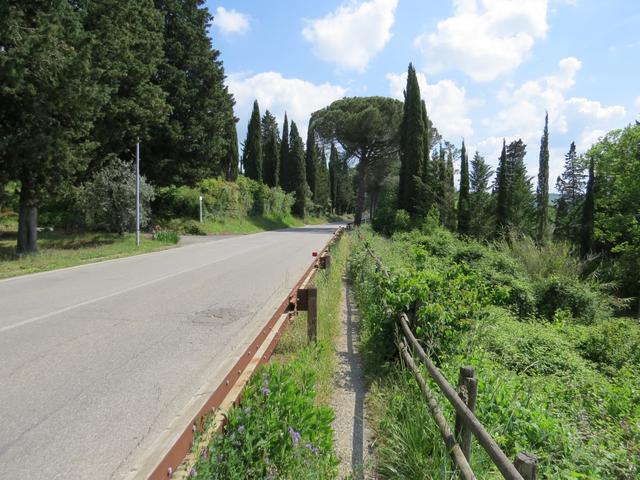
column 82, row 82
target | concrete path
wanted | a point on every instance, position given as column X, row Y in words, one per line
column 97, row 361
column 353, row 438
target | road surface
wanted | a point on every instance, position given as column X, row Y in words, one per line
column 98, row 362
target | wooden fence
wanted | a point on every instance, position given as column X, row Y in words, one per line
column 467, row 426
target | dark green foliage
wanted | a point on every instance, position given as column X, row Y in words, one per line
column 614, row 172
column 127, row 52
column 561, row 293
column 311, row 158
column 502, row 192
column 412, row 133
column 515, row 200
column 521, row 198
column 231, row 158
column 193, row 143
column 49, row 100
column 270, row 150
column 570, row 186
column 278, row 430
column 588, row 213
column 480, row 199
column 252, row 153
column 287, row 181
column 339, row 182
column 448, row 188
column 542, row 192
column 366, row 128
column 297, row 163
column 464, row 205
column 321, row 195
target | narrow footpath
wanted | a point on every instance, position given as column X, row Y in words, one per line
column 353, row 438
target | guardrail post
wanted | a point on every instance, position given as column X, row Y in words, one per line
column 312, row 314
column 468, row 393
column 526, row 465
column 325, row 261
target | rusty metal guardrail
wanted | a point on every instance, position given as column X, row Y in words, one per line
column 303, row 297
column 463, row 401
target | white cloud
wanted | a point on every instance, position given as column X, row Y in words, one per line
column 299, row 98
column 353, row 34
column 638, row 103
column 485, row 38
column 522, row 115
column 231, row 21
column 447, row 104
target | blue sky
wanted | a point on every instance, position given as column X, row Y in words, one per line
column 488, row 68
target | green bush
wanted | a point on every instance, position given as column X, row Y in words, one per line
column 556, row 293
column 278, row 432
column 612, row 343
column 108, row 200
column 223, row 199
column 165, row 236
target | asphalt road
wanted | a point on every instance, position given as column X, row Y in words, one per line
column 99, row 362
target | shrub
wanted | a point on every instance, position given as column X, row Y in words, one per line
column 174, row 202
column 165, row 236
column 108, row 200
column 278, row 432
column 402, row 221
column 584, row 303
column 612, row 343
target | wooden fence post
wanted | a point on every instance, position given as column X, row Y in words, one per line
column 526, row 465
column 312, row 314
column 468, row 392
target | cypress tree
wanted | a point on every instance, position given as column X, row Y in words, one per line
column 480, row 198
column 322, row 195
column 334, row 179
column 297, row 161
column 190, row 145
column 570, row 186
column 426, row 147
column 311, row 159
column 450, row 191
column 231, row 158
column 521, row 197
column 542, row 192
column 440, row 190
column 286, row 172
column 588, row 213
column 253, row 146
column 464, row 212
column 133, row 104
column 502, row 191
column 270, row 150
column 411, row 145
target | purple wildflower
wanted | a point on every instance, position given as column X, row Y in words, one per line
column 193, row 472
column 315, row 450
column 295, row 436
column 241, row 429
column 204, row 454
column 264, row 389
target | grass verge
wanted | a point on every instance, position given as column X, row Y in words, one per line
column 60, row 250
column 244, row 225
column 282, row 429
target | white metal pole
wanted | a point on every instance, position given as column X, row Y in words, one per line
column 200, row 208
column 138, row 193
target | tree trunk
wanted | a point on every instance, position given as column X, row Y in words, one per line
column 362, row 185
column 27, row 218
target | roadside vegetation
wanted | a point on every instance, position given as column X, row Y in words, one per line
column 555, row 364
column 282, row 429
